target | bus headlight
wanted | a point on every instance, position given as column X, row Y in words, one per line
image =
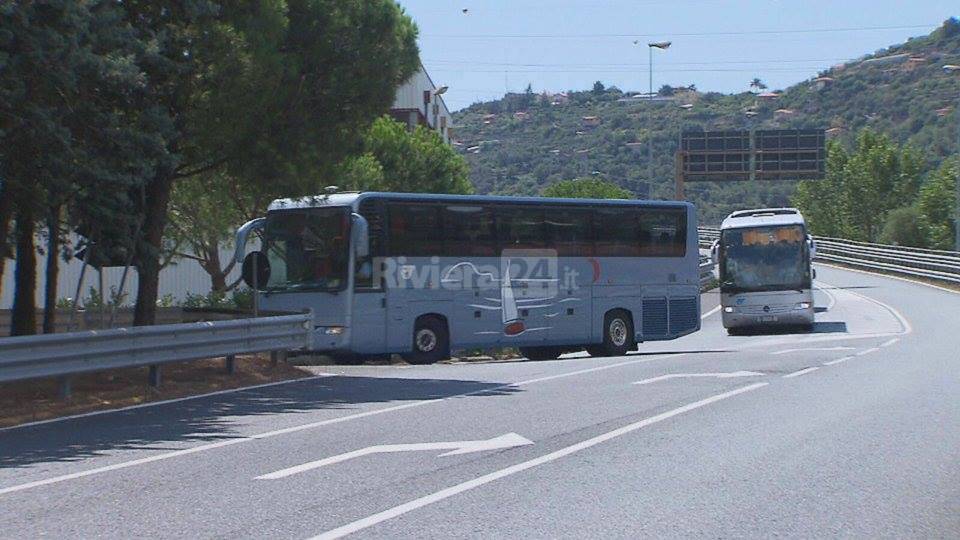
column 804, row 305
column 333, row 330
column 728, row 309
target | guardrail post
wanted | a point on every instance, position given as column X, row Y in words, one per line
column 230, row 362
column 276, row 357
column 66, row 387
column 155, row 376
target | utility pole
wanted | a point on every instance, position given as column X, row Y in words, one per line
column 662, row 45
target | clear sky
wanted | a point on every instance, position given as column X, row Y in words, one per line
column 559, row 45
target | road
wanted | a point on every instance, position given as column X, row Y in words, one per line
column 851, row 431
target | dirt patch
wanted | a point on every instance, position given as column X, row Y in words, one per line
column 29, row 401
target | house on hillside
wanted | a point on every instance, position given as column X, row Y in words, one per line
column 419, row 102
column 822, row 82
column 590, row 121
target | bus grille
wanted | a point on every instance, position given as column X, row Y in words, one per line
column 655, row 317
column 683, row 315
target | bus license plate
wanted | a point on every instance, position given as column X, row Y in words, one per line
column 769, row 318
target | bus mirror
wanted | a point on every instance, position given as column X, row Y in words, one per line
column 256, row 264
column 359, row 234
column 243, row 233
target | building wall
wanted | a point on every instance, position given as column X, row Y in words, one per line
column 413, row 96
column 178, row 280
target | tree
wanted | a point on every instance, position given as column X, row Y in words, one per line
column 861, row 187
column 394, row 159
column 273, row 94
column 757, row 84
column 905, row 226
column 936, row 203
column 586, row 188
column 666, row 90
column 66, row 82
column 598, row 88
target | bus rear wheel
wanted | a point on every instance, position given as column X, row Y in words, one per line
column 617, row 335
column 431, row 342
column 541, row 353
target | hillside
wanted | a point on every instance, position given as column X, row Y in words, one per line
column 523, row 142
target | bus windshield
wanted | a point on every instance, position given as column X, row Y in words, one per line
column 764, row 259
column 307, row 249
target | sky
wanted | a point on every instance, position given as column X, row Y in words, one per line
column 559, row 45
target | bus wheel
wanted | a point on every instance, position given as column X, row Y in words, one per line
column 541, row 353
column 617, row 334
column 431, row 342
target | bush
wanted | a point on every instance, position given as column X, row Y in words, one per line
column 905, row 227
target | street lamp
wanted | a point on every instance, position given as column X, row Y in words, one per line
column 952, row 68
column 436, row 114
column 662, row 45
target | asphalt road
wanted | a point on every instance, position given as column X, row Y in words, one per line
column 853, row 431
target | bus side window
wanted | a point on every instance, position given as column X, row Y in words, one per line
column 365, row 269
column 415, row 230
column 520, row 228
column 569, row 231
column 469, row 231
column 663, row 232
column 615, row 232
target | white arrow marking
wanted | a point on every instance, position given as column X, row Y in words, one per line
column 786, row 351
column 714, row 375
column 509, row 440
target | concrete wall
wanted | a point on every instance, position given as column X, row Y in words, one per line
column 182, row 278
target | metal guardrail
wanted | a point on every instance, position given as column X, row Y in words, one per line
column 917, row 262
column 62, row 355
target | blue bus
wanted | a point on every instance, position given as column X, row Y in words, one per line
column 422, row 275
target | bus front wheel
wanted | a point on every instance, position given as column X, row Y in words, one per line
column 431, row 342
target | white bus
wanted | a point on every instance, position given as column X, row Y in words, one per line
column 423, row 275
column 765, row 273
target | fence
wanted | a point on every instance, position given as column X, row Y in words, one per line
column 917, row 262
column 63, row 355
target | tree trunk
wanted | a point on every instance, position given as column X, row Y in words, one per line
column 53, row 270
column 24, row 299
column 218, row 279
column 6, row 212
column 148, row 257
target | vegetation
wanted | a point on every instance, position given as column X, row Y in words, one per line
column 900, row 92
column 586, row 188
column 110, row 110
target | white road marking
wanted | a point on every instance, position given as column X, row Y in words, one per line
column 787, row 351
column 709, row 313
column 907, row 327
column 313, row 425
column 889, row 342
column 888, row 276
column 509, row 440
column 837, row 361
column 415, row 504
column 833, row 299
column 712, row 375
column 801, row 372
column 868, row 351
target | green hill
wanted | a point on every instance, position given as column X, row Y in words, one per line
column 523, row 142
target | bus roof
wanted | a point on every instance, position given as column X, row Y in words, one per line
column 349, row 198
column 762, row 217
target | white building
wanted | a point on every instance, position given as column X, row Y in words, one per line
column 419, row 102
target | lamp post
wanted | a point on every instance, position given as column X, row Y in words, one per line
column 952, row 68
column 438, row 92
column 662, row 45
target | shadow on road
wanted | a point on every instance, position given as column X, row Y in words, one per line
column 215, row 418
column 829, row 327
